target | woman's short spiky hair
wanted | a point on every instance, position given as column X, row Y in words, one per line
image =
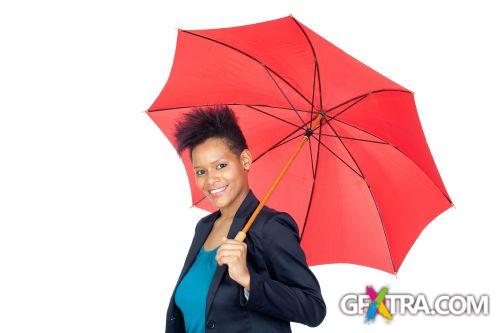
column 208, row 122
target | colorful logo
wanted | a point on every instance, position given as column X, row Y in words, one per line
column 371, row 303
column 377, row 304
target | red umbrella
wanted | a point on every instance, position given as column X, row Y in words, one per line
column 363, row 184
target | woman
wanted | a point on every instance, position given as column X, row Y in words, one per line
column 259, row 285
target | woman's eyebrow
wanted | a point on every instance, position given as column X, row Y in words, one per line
column 212, row 162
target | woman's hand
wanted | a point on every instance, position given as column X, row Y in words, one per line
column 234, row 254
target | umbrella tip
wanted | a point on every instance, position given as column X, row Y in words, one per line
column 290, row 15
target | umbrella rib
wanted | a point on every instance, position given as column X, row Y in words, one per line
column 373, row 197
column 316, row 65
column 311, row 155
column 280, row 142
column 365, row 95
column 328, row 122
column 251, row 57
column 331, row 151
column 383, row 226
column 286, row 141
column 313, row 91
column 237, row 104
column 350, row 138
column 350, row 106
column 345, row 147
column 313, row 185
column 360, row 129
column 197, row 202
column 278, row 107
column 283, row 93
column 444, row 194
column 357, row 100
column 271, row 115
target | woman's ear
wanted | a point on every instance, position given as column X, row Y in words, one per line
column 246, row 159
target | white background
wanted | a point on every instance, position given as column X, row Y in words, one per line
column 94, row 203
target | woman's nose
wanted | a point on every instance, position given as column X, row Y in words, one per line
column 213, row 176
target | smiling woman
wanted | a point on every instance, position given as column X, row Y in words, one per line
column 220, row 156
column 220, row 174
column 268, row 284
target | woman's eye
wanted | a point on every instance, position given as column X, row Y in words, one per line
column 202, row 172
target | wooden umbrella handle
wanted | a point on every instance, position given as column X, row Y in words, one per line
column 242, row 234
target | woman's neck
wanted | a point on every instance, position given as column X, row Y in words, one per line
column 228, row 213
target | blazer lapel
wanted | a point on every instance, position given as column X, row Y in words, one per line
column 242, row 215
column 199, row 239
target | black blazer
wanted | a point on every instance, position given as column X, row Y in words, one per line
column 282, row 287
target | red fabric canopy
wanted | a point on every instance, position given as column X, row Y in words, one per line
column 365, row 185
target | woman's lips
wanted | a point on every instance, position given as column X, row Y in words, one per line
column 217, row 192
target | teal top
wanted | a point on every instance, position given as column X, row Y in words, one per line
column 191, row 293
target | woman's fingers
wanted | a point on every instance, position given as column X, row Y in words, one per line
column 226, row 260
column 232, row 242
column 228, row 254
column 230, row 251
column 232, row 246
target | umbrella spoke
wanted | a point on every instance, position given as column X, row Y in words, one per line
column 280, row 142
column 197, row 202
column 286, row 141
column 365, row 95
column 373, row 198
column 277, row 107
column 313, row 91
column 331, row 118
column 357, row 100
column 311, row 156
column 230, row 104
column 386, row 142
column 316, row 65
column 312, row 187
column 362, row 130
column 272, row 115
column 331, row 151
column 283, row 93
column 345, row 147
column 371, row 193
column 350, row 138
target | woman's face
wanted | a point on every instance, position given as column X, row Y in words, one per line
column 219, row 173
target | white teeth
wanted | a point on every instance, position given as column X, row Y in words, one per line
column 218, row 190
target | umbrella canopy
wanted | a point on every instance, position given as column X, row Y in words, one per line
column 363, row 187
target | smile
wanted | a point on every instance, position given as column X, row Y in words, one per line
column 217, row 192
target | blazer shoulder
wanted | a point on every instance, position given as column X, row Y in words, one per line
column 205, row 219
column 277, row 221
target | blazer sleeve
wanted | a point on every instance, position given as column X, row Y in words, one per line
column 293, row 293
